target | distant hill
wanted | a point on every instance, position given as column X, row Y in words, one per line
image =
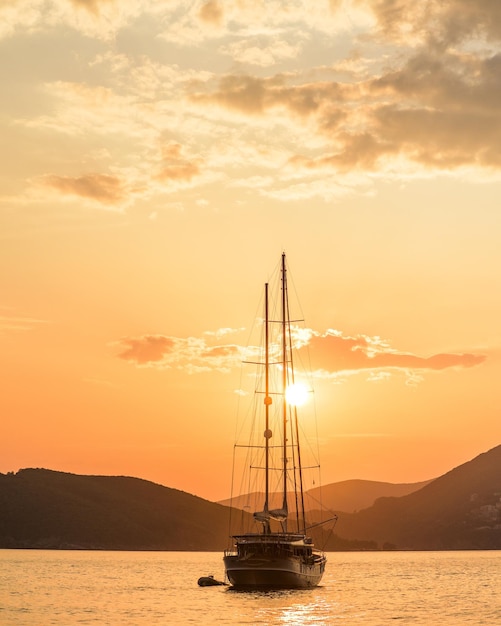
column 353, row 495
column 347, row 496
column 41, row 508
column 459, row 510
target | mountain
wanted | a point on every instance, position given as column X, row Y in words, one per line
column 347, row 496
column 41, row 508
column 352, row 495
column 459, row 510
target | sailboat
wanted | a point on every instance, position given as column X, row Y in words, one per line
column 277, row 552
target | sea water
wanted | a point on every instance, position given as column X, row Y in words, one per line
column 43, row 588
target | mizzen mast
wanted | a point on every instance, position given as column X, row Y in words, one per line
column 267, row 402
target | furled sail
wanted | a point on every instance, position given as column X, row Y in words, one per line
column 280, row 515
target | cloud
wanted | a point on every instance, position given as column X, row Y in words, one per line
column 439, row 110
column 101, row 188
column 457, row 122
column 256, row 95
column 433, row 103
column 100, row 19
column 91, row 5
column 262, row 51
column 333, row 353
column 450, row 21
column 410, row 89
column 174, row 167
column 145, row 350
column 211, row 12
column 222, row 332
column 190, row 354
column 330, row 354
column 242, row 93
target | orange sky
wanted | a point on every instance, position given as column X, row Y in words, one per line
column 157, row 159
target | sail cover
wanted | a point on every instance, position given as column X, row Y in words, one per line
column 280, row 515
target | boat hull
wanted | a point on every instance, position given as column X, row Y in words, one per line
column 278, row 573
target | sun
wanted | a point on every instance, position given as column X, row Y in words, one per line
column 296, row 394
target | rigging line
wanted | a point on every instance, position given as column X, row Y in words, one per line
column 294, row 475
column 231, row 495
column 294, row 418
column 334, row 519
column 308, row 366
column 252, row 329
column 293, row 412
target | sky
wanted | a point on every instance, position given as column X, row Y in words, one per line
column 158, row 156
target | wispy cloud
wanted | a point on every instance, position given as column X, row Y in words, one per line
column 10, row 322
column 146, row 349
column 93, row 6
column 331, row 354
column 211, row 12
column 102, row 188
column 262, row 51
column 175, row 167
column 192, row 354
column 410, row 89
column 449, row 22
column 439, row 110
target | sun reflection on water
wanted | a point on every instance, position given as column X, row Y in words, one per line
column 292, row 607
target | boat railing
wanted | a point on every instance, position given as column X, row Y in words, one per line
column 271, row 538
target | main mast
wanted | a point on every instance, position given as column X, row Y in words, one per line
column 284, row 378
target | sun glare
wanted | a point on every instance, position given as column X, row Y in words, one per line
column 296, row 394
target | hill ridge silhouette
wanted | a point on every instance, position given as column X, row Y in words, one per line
column 42, row 508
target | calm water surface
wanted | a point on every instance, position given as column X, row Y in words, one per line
column 42, row 588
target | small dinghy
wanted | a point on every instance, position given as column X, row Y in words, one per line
column 209, row 581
